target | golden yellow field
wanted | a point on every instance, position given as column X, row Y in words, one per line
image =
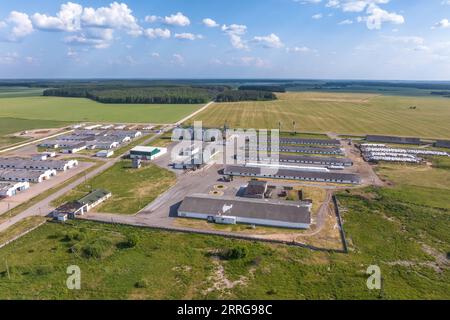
column 344, row 113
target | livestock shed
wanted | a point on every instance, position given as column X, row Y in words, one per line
column 21, row 163
column 231, row 210
column 297, row 149
column 393, row 139
column 292, row 158
column 442, row 144
column 331, row 177
column 84, row 205
column 9, row 189
column 35, row 176
column 319, row 142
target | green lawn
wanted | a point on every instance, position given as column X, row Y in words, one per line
column 132, row 189
column 14, row 125
column 78, row 109
column 344, row 113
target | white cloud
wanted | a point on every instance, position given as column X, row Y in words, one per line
column 250, row 62
column 9, row 58
column 16, row 26
column 155, row 55
column 235, row 31
column 317, row 16
column 270, row 41
column 444, row 23
column 346, row 22
column 188, row 36
column 67, row 19
column 152, row 19
column 210, row 23
column 157, row 33
column 377, row 16
column 302, row 49
column 116, row 16
column 405, row 39
column 177, row 19
column 177, row 59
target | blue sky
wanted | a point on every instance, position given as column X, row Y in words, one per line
column 329, row 39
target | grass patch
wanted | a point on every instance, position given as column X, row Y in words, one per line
column 19, row 228
column 79, row 110
column 132, row 189
column 345, row 113
column 169, row 265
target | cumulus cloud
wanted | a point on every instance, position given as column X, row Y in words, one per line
column 177, row 59
column 317, row 16
column 152, row 33
column 444, row 23
column 269, row 41
column 302, row 49
column 16, row 26
column 210, row 23
column 67, row 19
column 235, row 33
column 178, row 19
column 377, row 16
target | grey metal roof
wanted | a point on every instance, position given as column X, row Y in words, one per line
column 21, row 163
column 305, row 159
column 94, row 196
column 393, row 139
column 443, row 143
column 20, row 174
column 296, row 174
column 324, row 142
column 286, row 211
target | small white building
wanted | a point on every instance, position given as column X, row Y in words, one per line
column 9, row 189
column 39, row 157
column 105, row 154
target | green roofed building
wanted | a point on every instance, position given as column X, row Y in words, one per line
column 83, row 205
column 147, row 153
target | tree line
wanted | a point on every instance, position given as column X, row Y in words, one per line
column 245, row 95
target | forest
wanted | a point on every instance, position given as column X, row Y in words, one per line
column 245, row 95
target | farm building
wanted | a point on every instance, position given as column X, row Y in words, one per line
column 331, row 177
column 147, row 153
column 292, row 158
column 255, row 189
column 84, row 205
column 104, row 154
column 20, row 163
column 102, row 145
column 319, row 142
column 391, row 139
column 75, row 137
column 442, row 144
column 74, row 148
column 297, row 149
column 39, row 157
column 230, row 210
column 52, row 144
column 35, row 176
column 9, row 189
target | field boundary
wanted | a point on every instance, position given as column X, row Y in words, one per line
column 22, row 234
column 341, row 224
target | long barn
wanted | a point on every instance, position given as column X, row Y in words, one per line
column 332, row 177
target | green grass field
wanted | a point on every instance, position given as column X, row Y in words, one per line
column 14, row 125
column 78, row 109
column 344, row 113
column 15, row 92
column 132, row 189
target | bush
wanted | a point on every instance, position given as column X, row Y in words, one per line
column 96, row 249
column 238, row 252
column 43, row 270
column 132, row 240
column 141, row 284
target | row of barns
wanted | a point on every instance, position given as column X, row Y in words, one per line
column 406, row 140
column 83, row 139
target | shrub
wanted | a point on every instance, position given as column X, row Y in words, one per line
column 132, row 240
column 238, row 252
column 141, row 284
column 96, row 249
